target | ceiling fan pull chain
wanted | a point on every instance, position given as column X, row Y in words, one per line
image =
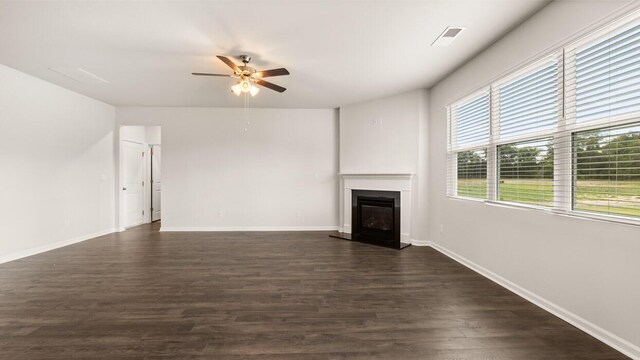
column 245, row 111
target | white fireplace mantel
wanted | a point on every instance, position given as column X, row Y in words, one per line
column 402, row 182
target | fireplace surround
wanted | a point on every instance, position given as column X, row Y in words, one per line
column 399, row 186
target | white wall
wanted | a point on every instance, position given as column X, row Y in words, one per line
column 56, row 166
column 134, row 133
column 588, row 269
column 154, row 135
column 381, row 136
column 278, row 174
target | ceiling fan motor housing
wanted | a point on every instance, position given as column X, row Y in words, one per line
column 245, row 59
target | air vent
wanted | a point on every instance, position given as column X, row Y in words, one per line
column 448, row 35
column 80, row 75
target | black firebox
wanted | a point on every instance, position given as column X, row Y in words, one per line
column 375, row 217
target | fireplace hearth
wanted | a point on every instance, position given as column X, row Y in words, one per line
column 375, row 218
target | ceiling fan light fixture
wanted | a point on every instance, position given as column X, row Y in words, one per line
column 245, row 86
column 254, row 90
column 237, row 89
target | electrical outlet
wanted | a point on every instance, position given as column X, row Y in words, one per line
column 220, row 214
column 441, row 229
column 298, row 213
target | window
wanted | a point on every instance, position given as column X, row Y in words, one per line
column 561, row 134
column 607, row 171
column 469, row 132
column 525, row 172
column 529, row 104
column 604, row 118
column 528, row 111
column 472, row 173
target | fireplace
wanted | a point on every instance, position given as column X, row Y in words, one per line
column 375, row 217
column 384, row 215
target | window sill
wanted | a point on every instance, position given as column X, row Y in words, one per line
column 597, row 217
column 566, row 213
column 477, row 200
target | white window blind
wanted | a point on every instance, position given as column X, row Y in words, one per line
column 607, row 76
column 607, row 171
column 525, row 172
column 469, row 130
column 472, row 173
column 471, row 119
column 529, row 104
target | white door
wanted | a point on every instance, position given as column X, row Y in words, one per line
column 132, row 187
column 156, row 182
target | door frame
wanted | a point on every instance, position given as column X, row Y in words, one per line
column 151, row 183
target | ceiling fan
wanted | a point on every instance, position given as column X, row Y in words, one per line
column 249, row 77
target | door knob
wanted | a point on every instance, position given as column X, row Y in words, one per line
column 124, row 188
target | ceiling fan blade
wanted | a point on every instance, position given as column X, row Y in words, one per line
column 207, row 74
column 273, row 72
column 269, row 85
column 229, row 63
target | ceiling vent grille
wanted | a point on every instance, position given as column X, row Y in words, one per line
column 448, row 35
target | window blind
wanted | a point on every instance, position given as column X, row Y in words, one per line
column 472, row 173
column 528, row 104
column 471, row 119
column 525, row 172
column 607, row 76
column 607, row 171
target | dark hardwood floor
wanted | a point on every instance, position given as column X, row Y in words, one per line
column 148, row 295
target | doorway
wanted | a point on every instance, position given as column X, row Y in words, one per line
column 156, row 182
column 140, row 175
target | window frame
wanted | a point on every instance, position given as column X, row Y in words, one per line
column 574, row 169
column 562, row 134
column 453, row 149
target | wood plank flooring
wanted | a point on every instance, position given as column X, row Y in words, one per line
column 142, row 294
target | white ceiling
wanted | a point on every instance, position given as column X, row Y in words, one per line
column 338, row 52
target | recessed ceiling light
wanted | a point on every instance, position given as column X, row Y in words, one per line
column 79, row 75
column 448, row 35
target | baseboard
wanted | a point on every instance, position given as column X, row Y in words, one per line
column 246, row 228
column 415, row 242
column 599, row 333
column 53, row 246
